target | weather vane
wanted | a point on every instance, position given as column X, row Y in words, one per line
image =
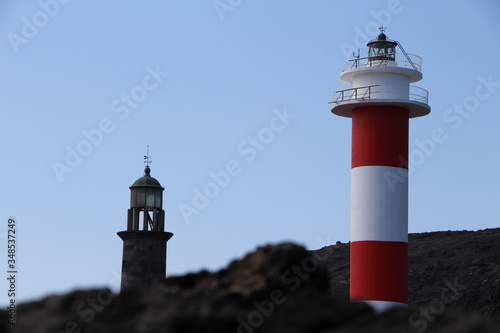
column 382, row 29
column 147, row 158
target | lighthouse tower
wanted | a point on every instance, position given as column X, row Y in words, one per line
column 380, row 101
column 144, row 241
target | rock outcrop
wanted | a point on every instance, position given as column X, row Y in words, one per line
column 277, row 288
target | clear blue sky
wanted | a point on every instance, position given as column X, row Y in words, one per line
column 220, row 76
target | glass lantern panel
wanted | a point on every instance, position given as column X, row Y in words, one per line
column 134, row 198
column 140, row 198
column 150, row 199
column 146, row 197
column 158, row 200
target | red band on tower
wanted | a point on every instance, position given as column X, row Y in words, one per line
column 379, row 271
column 380, row 136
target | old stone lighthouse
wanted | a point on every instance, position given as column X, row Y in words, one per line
column 144, row 241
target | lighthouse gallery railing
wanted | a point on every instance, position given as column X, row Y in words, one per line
column 375, row 92
column 408, row 60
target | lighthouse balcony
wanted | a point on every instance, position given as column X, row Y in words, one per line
column 407, row 60
column 373, row 92
column 413, row 98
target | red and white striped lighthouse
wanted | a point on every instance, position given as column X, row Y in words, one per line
column 380, row 101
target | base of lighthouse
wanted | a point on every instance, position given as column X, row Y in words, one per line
column 379, row 271
column 379, row 206
column 381, row 306
column 144, row 258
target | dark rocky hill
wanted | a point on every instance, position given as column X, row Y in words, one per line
column 284, row 288
column 458, row 268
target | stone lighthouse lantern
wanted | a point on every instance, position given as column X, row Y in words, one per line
column 146, row 198
column 145, row 240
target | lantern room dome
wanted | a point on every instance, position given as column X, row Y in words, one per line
column 146, row 180
column 382, row 36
